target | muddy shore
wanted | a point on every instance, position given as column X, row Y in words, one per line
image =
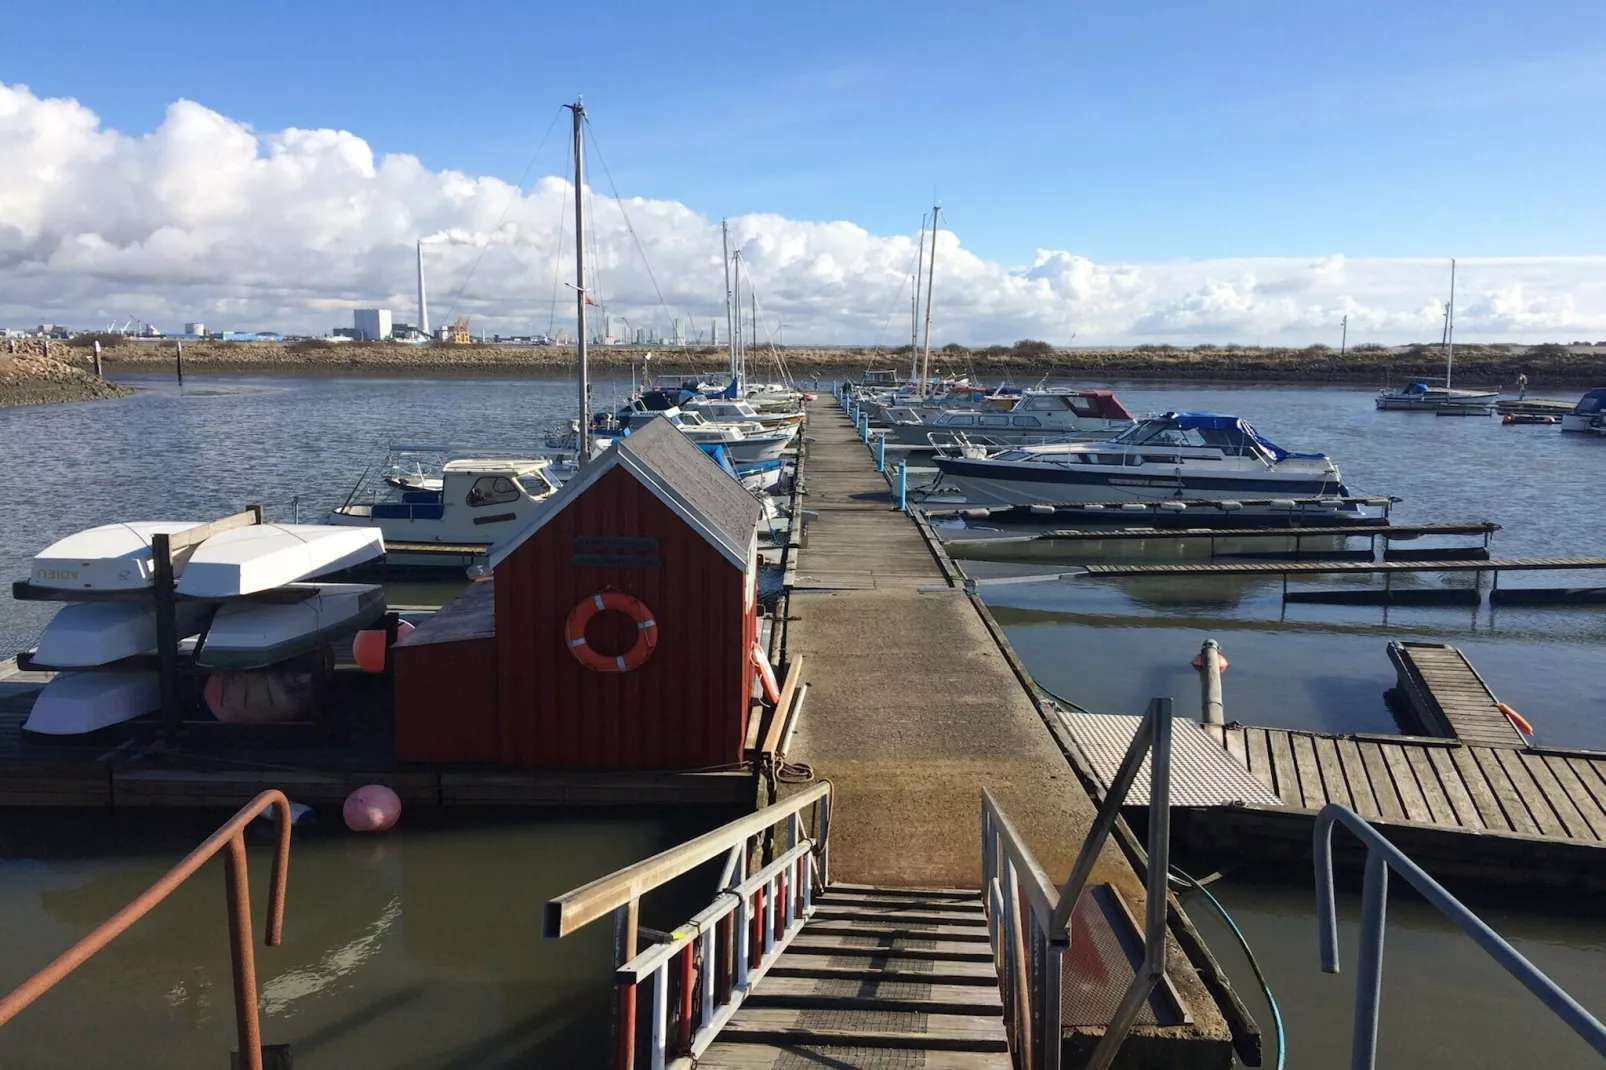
column 28, row 377
column 1550, row 365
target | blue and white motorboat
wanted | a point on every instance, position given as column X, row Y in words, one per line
column 1173, row 455
column 1421, row 397
column 1589, row 415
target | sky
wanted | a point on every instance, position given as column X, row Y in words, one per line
column 1199, row 171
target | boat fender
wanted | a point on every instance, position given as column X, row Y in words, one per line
column 371, row 808
column 1518, row 721
column 1509, row 419
column 368, row 649
column 1198, row 662
column 772, row 690
column 574, row 632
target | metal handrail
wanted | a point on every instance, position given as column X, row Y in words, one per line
column 1028, row 951
column 230, row 835
column 1381, row 856
column 725, row 948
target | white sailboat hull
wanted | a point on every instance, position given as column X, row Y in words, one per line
column 78, row 702
column 252, row 635
column 99, row 633
column 265, row 556
column 111, row 557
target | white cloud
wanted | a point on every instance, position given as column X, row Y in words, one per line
column 205, row 218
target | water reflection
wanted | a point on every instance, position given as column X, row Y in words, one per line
column 418, row 949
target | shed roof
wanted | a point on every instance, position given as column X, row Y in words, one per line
column 679, row 474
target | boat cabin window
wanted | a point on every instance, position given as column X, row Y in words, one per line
column 994, row 421
column 1049, row 403
column 961, row 421
column 492, row 490
column 1084, row 406
column 1590, row 403
column 1027, row 421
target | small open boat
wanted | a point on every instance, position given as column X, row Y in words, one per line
column 264, row 556
column 112, row 557
column 99, row 633
column 78, row 702
column 252, row 635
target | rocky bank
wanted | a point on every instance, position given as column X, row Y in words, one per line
column 28, row 377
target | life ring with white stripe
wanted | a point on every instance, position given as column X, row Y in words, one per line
column 574, row 632
column 761, row 662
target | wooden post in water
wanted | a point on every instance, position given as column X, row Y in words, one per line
column 95, row 346
column 1212, row 711
column 178, row 361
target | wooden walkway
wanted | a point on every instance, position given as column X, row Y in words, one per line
column 914, row 706
column 1393, row 531
column 877, row 977
column 1448, row 698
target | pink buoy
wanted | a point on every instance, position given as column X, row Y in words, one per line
column 368, row 649
column 371, row 808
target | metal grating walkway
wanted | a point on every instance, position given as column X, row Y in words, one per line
column 1202, row 773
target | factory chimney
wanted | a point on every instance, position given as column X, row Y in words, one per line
column 423, row 302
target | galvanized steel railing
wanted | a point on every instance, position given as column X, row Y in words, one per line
column 236, row 878
column 1381, row 856
column 1029, row 940
column 714, row 960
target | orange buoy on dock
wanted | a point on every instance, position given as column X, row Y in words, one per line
column 772, row 690
column 1518, row 721
column 1221, row 660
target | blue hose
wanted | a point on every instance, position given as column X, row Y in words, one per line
column 1254, row 964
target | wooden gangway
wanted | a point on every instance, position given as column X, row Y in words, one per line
column 1447, row 697
column 1273, row 568
column 1392, row 531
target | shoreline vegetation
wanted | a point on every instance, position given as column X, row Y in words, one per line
column 27, row 378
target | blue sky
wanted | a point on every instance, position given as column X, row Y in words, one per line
column 1142, row 131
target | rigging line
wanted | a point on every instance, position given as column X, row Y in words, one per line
column 557, row 253
column 618, row 200
column 451, row 313
column 897, row 300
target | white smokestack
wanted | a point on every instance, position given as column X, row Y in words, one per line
column 423, row 302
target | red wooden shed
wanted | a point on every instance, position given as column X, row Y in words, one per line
column 625, row 614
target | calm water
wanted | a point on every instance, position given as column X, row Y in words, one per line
column 422, row 949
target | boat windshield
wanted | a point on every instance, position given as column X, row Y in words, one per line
column 1231, row 437
column 1590, row 403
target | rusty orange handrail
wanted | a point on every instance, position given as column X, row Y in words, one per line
column 238, row 890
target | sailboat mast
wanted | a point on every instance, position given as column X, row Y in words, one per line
column 931, row 271
column 736, row 335
column 1449, row 330
column 914, row 302
column 730, row 322
column 579, row 110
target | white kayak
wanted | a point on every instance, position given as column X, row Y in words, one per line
column 78, row 702
column 264, row 556
column 251, row 635
column 98, row 633
column 112, row 557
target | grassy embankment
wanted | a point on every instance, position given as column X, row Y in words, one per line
column 1549, row 365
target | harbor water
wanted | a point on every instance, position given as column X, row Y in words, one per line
column 422, row 949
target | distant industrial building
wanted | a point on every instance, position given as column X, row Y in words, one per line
column 371, row 324
column 195, row 330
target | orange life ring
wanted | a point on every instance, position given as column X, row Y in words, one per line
column 772, row 690
column 1221, row 662
column 574, row 632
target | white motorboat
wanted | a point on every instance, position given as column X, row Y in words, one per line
column 723, row 410
column 1588, row 413
column 77, row 702
column 264, row 556
column 111, row 557
column 98, row 633
column 1035, row 416
column 434, row 495
column 253, row 635
column 743, row 443
column 1175, row 455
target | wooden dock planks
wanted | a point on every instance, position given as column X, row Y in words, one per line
column 1555, row 795
column 1448, row 697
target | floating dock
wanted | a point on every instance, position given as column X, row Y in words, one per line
column 916, row 703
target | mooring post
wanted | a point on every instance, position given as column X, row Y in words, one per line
column 178, row 361
column 47, row 349
column 903, row 486
column 1211, row 710
column 864, row 427
column 881, row 454
column 94, row 347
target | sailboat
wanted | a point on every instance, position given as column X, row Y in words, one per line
column 1424, row 397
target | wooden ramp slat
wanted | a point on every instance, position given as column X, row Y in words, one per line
column 1448, row 697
